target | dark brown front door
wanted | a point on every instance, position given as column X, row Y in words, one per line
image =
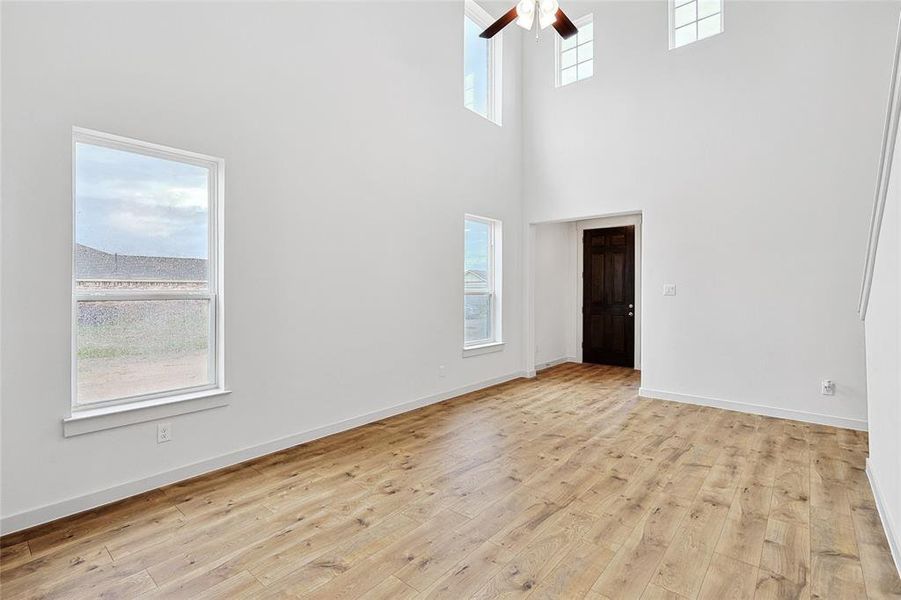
column 608, row 302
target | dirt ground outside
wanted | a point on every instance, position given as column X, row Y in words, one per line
column 109, row 378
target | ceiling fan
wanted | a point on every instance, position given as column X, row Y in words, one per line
column 549, row 13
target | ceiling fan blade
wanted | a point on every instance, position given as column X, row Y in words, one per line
column 564, row 26
column 495, row 27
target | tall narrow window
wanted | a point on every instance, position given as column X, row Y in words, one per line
column 482, row 64
column 693, row 20
column 481, row 282
column 575, row 56
column 146, row 284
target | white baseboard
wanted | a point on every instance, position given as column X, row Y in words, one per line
column 553, row 363
column 756, row 409
column 891, row 532
column 71, row 506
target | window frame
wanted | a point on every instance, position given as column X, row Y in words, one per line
column 558, row 53
column 671, row 12
column 494, row 105
column 494, row 341
column 213, row 294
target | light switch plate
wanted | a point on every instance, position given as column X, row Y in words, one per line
column 669, row 289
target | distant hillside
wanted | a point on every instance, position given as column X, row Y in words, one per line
column 91, row 263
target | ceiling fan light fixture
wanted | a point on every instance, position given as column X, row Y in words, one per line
column 547, row 12
column 525, row 13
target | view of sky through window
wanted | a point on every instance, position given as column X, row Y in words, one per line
column 477, row 240
column 475, row 68
column 130, row 203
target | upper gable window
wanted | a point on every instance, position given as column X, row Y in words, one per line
column 146, row 289
column 575, row 56
column 693, row 20
column 482, row 64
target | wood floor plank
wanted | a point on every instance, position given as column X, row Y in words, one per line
column 568, row 485
column 728, row 578
column 576, row 572
column 470, row 574
column 635, row 563
column 772, row 586
column 786, row 550
column 745, row 528
column 14, row 555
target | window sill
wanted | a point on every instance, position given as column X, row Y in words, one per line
column 109, row 417
column 483, row 349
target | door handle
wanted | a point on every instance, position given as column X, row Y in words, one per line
column 630, row 306
column 630, row 314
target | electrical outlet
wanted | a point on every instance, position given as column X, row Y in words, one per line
column 163, row 433
column 442, row 372
column 669, row 289
column 827, row 387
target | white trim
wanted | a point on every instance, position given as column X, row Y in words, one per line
column 892, row 533
column 495, row 104
column 118, row 415
column 883, row 176
column 57, row 510
column 215, row 277
column 756, row 409
column 482, row 349
column 555, row 362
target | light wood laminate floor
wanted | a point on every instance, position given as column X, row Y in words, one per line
column 566, row 486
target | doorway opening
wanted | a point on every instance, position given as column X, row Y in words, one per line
column 584, row 274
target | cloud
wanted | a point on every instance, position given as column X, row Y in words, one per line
column 135, row 204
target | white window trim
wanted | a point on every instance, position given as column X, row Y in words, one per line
column 495, row 342
column 482, row 349
column 84, row 418
column 483, row 19
column 558, row 47
column 672, row 25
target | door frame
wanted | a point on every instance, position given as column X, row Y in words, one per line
column 576, row 315
column 574, row 293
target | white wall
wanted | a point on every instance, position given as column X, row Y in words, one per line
column 752, row 158
column 350, row 163
column 883, row 333
column 554, row 287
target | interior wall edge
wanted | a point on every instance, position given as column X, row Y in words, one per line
column 892, row 533
column 883, row 177
column 57, row 510
column 756, row 409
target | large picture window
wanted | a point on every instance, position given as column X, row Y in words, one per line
column 481, row 282
column 146, row 281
